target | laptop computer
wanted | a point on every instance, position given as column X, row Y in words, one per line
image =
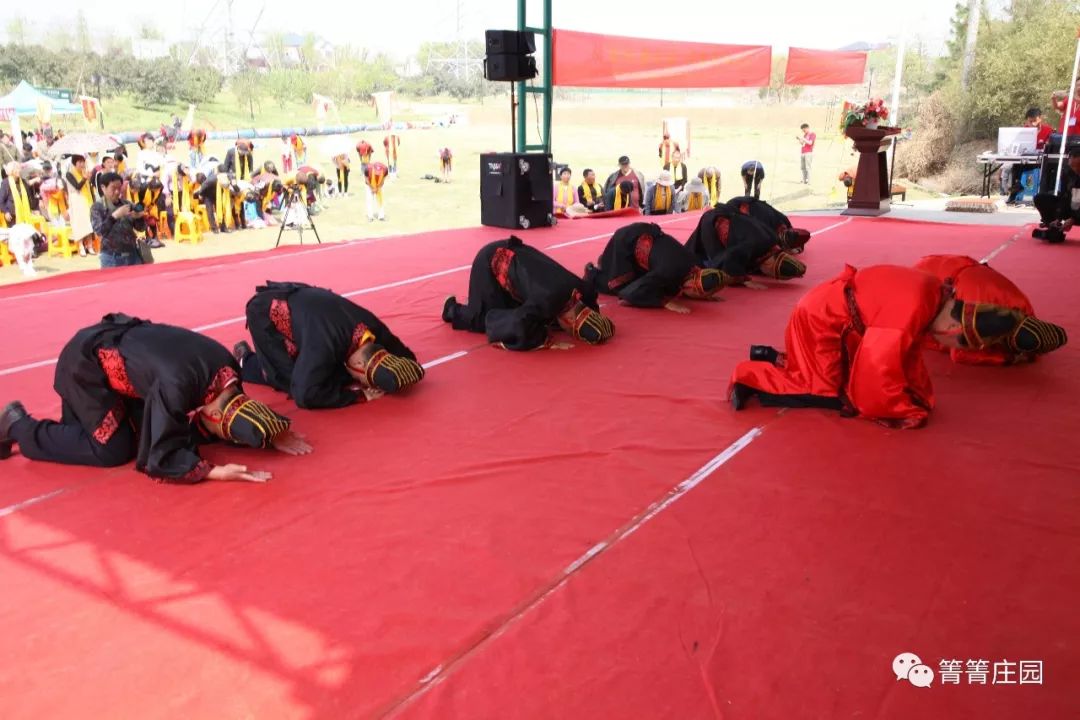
column 1017, row 140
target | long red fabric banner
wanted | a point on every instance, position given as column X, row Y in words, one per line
column 824, row 67
column 584, row 59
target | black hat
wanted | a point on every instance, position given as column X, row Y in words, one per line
column 392, row 373
column 985, row 325
column 783, row 266
column 249, row 422
column 624, row 160
column 703, row 283
column 590, row 326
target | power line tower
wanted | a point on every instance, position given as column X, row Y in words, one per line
column 459, row 61
column 217, row 39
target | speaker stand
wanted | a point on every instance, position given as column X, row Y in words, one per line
column 513, row 112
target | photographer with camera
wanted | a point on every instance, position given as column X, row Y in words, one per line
column 1059, row 213
column 112, row 221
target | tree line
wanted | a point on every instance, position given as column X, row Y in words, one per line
column 186, row 76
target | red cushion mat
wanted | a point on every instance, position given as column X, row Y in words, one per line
column 423, row 562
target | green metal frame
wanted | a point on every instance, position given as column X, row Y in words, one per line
column 544, row 88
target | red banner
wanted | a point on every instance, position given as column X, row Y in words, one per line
column 824, row 67
column 583, row 59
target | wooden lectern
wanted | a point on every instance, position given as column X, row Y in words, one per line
column 872, row 192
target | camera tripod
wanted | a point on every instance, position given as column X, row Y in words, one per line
column 293, row 193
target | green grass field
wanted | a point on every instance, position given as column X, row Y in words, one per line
column 592, row 134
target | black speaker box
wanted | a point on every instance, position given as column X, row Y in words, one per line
column 516, row 190
column 506, row 67
column 512, row 42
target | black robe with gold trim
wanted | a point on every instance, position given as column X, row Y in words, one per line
column 641, row 264
column 516, row 294
column 303, row 335
column 129, row 370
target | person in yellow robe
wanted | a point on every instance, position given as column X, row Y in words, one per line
column 391, row 143
column 80, row 201
column 565, row 193
column 678, row 170
column 14, row 197
column 711, row 177
column 591, row 193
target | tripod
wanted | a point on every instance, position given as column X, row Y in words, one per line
column 293, row 193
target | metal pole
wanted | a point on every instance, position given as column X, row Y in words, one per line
column 548, row 90
column 521, row 108
column 897, row 77
column 898, row 74
column 1068, row 114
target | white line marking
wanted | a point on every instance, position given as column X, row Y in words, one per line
column 602, row 235
column 4, row 512
column 280, row 256
column 28, row 366
column 51, row 292
column 827, row 228
column 1001, row 248
column 441, row 672
column 445, row 359
column 408, row 281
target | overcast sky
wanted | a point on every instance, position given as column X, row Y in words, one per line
column 398, row 26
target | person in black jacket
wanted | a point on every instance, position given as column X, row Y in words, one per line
column 788, row 237
column 239, row 162
column 648, row 268
column 131, row 388
column 321, row 348
column 741, row 246
column 1058, row 213
column 517, row 294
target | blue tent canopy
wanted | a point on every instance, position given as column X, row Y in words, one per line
column 24, row 99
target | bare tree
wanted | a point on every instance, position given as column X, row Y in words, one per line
column 17, row 30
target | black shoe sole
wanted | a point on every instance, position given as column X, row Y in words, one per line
column 740, row 395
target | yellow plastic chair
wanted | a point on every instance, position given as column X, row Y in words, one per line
column 187, row 228
column 60, row 243
column 40, row 223
column 163, row 225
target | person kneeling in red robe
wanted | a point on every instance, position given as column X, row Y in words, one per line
column 976, row 284
column 854, row 344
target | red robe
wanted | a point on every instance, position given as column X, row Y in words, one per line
column 858, row 338
column 974, row 282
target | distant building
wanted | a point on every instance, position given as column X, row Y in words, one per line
column 261, row 57
column 145, row 49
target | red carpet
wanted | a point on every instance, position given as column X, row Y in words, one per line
column 511, row 539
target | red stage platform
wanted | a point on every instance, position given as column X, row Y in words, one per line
column 579, row 535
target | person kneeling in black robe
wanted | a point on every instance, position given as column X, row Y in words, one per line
column 135, row 389
column 646, row 267
column 741, row 246
column 322, row 349
column 517, row 293
column 788, row 237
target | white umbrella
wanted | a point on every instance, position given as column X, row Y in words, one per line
column 83, row 144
